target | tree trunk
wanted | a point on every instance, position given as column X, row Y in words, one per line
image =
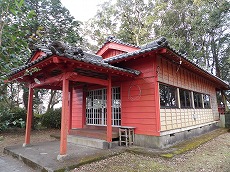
column 218, row 73
column 54, row 99
column 1, row 28
column 52, row 94
column 215, row 57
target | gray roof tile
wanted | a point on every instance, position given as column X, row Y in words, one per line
column 86, row 58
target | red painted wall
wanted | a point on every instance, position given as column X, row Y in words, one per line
column 139, row 99
column 139, row 102
column 77, row 109
column 112, row 48
column 111, row 53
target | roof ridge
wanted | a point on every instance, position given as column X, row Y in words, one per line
column 71, row 53
column 119, row 41
column 116, row 40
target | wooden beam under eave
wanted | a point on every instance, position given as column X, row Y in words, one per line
column 80, row 78
column 56, row 60
column 162, row 51
column 48, row 81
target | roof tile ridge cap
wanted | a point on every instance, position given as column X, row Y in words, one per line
column 119, row 41
column 120, row 55
column 160, row 42
column 111, row 39
column 91, row 53
column 38, row 47
column 136, row 72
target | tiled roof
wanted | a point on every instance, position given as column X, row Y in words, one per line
column 118, row 41
column 161, row 42
column 70, row 54
column 154, row 45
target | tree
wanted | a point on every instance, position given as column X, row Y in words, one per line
column 24, row 23
column 13, row 46
column 197, row 28
column 55, row 98
column 49, row 21
column 128, row 20
column 200, row 29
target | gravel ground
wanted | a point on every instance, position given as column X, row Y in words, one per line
column 213, row 156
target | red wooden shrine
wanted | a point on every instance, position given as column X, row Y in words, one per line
column 123, row 85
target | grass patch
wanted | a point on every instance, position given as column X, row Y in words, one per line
column 1, row 138
column 193, row 143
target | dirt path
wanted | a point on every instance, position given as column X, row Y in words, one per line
column 213, row 156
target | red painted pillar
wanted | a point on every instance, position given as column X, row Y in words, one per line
column 64, row 117
column 109, row 110
column 156, row 94
column 29, row 116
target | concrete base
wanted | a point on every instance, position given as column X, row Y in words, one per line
column 222, row 121
column 91, row 142
column 26, row 145
column 43, row 156
column 227, row 120
column 165, row 141
column 62, row 157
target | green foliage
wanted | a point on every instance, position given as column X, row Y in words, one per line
column 22, row 24
column 12, row 119
column 198, row 29
column 128, row 20
column 52, row 119
column 48, row 20
column 37, row 120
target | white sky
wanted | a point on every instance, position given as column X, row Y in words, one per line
column 82, row 10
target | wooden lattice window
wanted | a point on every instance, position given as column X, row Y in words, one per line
column 96, row 108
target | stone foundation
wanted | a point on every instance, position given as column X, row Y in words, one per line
column 169, row 138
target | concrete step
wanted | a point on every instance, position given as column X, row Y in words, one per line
column 91, row 142
column 93, row 133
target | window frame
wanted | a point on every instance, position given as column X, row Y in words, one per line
column 184, row 95
column 175, row 96
column 209, row 102
column 195, row 96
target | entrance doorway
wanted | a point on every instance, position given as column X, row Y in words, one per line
column 96, row 108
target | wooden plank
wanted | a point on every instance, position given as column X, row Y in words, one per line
column 156, row 97
column 80, row 78
column 144, row 121
column 128, row 99
column 139, row 109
